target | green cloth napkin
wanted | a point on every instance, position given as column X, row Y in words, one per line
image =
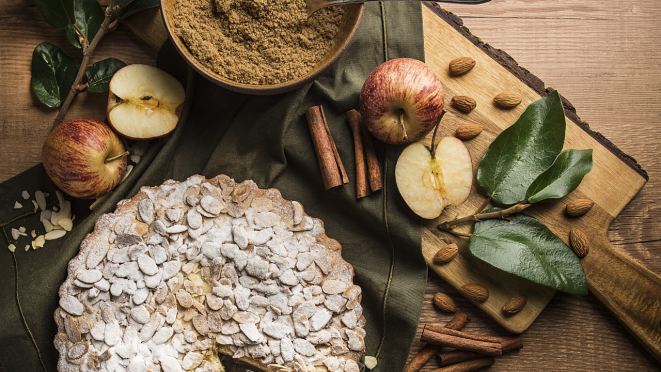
column 266, row 139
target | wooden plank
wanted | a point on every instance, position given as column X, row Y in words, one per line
column 611, row 184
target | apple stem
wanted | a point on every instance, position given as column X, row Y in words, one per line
column 502, row 214
column 401, row 123
column 108, row 25
column 125, row 153
column 433, row 137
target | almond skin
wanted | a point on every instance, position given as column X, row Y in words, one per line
column 475, row 292
column 507, row 99
column 579, row 242
column 461, row 66
column 515, row 304
column 446, row 254
column 464, row 104
column 444, row 303
column 468, row 131
column 578, row 207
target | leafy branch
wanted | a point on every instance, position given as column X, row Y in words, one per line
column 525, row 164
column 502, row 214
column 56, row 78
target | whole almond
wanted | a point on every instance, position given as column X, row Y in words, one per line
column 446, row 254
column 444, row 303
column 475, row 292
column 507, row 99
column 468, row 131
column 579, row 207
column 515, row 304
column 462, row 65
column 464, row 104
column 579, row 242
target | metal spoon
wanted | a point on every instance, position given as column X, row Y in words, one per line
column 314, row 5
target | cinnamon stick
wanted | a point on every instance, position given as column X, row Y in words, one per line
column 422, row 357
column 373, row 170
column 467, row 366
column 332, row 170
column 336, row 154
column 442, row 339
column 458, row 322
column 362, row 185
column 506, row 343
column 456, row 356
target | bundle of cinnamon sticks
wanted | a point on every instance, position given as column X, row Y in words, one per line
column 368, row 174
column 472, row 351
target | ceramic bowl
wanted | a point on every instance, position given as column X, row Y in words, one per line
column 348, row 28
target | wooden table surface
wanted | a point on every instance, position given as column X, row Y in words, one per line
column 604, row 56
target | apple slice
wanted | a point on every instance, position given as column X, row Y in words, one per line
column 428, row 183
column 144, row 102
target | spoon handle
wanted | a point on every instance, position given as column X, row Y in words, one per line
column 314, row 5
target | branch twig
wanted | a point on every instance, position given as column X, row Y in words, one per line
column 503, row 214
column 109, row 22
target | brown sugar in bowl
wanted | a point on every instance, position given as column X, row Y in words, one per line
column 350, row 22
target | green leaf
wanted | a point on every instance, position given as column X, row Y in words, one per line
column 53, row 74
column 137, row 5
column 58, row 13
column 100, row 73
column 72, row 36
column 523, row 151
column 89, row 16
column 525, row 247
column 564, row 175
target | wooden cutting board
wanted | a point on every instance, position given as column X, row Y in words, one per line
column 628, row 289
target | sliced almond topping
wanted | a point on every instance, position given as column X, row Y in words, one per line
column 55, row 234
column 41, row 199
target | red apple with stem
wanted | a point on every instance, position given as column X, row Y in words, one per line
column 401, row 101
column 84, row 158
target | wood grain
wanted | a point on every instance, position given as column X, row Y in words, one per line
column 602, row 55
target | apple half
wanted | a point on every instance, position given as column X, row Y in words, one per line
column 430, row 182
column 144, row 102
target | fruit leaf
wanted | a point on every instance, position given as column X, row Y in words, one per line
column 136, row 6
column 53, row 74
column 523, row 151
column 564, row 175
column 88, row 16
column 58, row 13
column 72, row 36
column 527, row 248
column 100, row 73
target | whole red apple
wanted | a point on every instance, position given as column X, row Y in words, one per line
column 401, row 101
column 84, row 158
